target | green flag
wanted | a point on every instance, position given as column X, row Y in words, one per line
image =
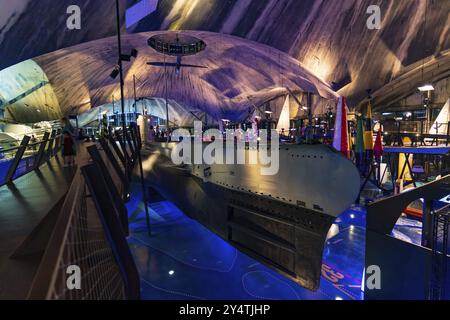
column 359, row 147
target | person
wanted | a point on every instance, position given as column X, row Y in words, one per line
column 67, row 126
column 68, row 149
column 81, row 134
column 33, row 141
column 152, row 134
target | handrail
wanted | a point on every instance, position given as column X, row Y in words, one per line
column 442, row 209
column 89, row 234
column 53, row 253
column 18, row 147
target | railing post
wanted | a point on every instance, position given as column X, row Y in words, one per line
column 144, row 193
column 121, row 209
column 118, row 152
column 448, row 133
column 138, row 135
column 41, row 151
column 427, row 223
column 123, row 146
column 50, row 145
column 17, row 159
column 122, row 138
column 130, row 145
column 134, row 140
column 57, row 144
column 116, row 166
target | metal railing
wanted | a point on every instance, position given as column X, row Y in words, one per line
column 425, row 265
column 90, row 236
column 441, row 228
column 28, row 156
column 77, row 233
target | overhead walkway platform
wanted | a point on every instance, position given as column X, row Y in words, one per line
column 53, row 217
column 23, row 205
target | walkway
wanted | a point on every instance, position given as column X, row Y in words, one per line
column 23, row 205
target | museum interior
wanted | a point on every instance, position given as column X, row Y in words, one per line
column 177, row 149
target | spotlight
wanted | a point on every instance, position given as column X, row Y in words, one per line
column 425, row 88
column 115, row 72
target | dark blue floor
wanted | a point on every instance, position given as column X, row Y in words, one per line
column 184, row 260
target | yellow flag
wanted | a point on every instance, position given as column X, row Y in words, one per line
column 368, row 130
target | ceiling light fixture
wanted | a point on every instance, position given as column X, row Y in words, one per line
column 425, row 88
column 115, row 72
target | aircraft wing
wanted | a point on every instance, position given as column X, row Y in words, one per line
column 162, row 64
column 192, row 66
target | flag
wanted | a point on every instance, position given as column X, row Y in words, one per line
column 378, row 148
column 340, row 141
column 368, row 130
column 359, row 146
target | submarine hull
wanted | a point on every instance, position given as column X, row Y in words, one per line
column 287, row 237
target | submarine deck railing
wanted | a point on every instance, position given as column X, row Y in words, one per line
column 18, row 161
column 87, row 256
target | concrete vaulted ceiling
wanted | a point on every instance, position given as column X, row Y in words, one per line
column 239, row 74
column 328, row 37
column 433, row 69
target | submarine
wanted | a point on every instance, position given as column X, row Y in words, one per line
column 281, row 220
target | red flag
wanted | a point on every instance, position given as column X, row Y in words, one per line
column 378, row 148
column 341, row 142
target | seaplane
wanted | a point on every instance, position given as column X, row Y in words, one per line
column 178, row 46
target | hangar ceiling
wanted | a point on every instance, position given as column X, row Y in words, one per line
column 239, row 75
column 329, row 38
